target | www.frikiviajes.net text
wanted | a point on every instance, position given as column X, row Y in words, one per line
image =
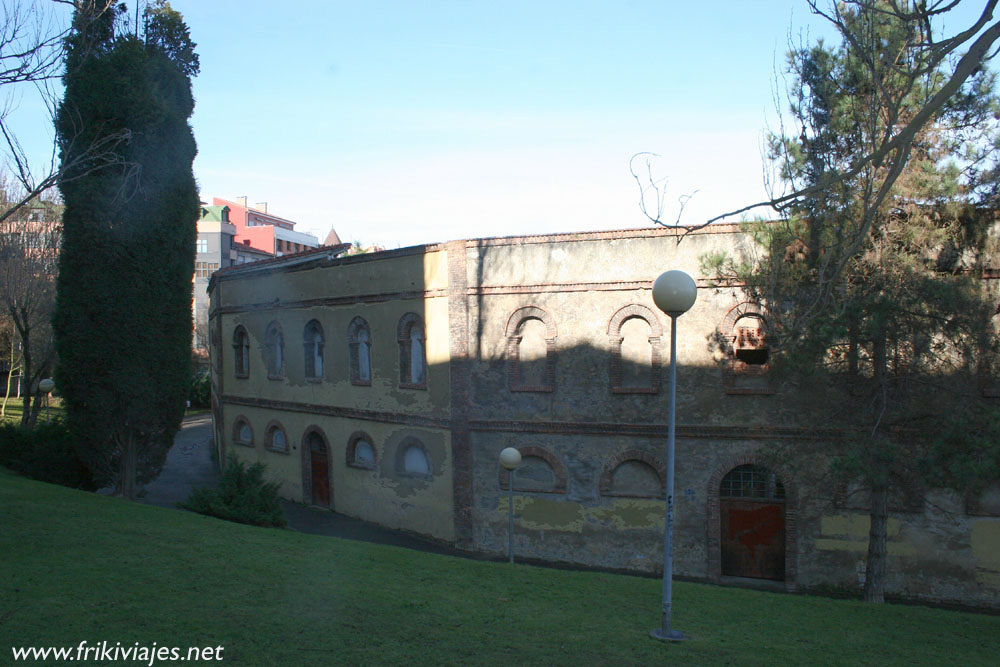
column 106, row 652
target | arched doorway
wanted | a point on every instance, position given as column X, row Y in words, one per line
column 752, row 523
column 319, row 463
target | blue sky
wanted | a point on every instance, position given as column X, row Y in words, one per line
column 400, row 123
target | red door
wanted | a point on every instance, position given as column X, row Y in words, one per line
column 320, row 472
column 753, row 539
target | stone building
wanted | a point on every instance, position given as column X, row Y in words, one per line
column 385, row 385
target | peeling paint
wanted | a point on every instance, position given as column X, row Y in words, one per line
column 985, row 542
column 855, row 526
column 631, row 513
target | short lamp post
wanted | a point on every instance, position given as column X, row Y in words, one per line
column 510, row 459
column 674, row 292
column 46, row 386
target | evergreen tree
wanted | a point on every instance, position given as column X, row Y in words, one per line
column 873, row 285
column 123, row 312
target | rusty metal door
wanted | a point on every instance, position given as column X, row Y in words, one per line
column 752, row 538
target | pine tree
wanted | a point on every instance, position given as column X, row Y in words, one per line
column 874, row 286
column 123, row 312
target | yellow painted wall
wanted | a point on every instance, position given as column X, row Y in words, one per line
column 383, row 496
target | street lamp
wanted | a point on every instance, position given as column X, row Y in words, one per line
column 510, row 459
column 47, row 385
column 674, row 292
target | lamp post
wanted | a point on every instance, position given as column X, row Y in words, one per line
column 47, row 385
column 674, row 292
column 510, row 459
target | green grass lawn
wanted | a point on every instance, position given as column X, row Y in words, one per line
column 13, row 411
column 78, row 566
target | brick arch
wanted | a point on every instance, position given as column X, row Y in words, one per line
column 305, row 455
column 241, row 419
column 513, row 334
column 622, row 315
column 738, row 376
column 745, row 309
column 634, row 310
column 632, row 455
column 531, row 313
column 791, row 516
column 539, row 452
column 349, row 452
column 275, row 424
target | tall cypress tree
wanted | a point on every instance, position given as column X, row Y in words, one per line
column 123, row 311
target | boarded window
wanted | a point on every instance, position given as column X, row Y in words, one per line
column 532, row 353
column 636, row 479
column 636, row 353
column 534, row 474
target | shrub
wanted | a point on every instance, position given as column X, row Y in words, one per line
column 200, row 392
column 242, row 496
column 45, row 453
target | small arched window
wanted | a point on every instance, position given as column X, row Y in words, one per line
column 412, row 459
column 275, row 351
column 241, row 351
column 412, row 352
column 531, row 350
column 359, row 343
column 242, row 432
column 276, row 439
column 361, row 451
column 312, row 345
column 634, row 337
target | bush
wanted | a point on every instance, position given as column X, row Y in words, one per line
column 200, row 392
column 242, row 496
column 45, row 453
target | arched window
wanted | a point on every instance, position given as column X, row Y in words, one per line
column 241, row 351
column 540, row 472
column 748, row 358
column 242, row 432
column 276, row 439
column 412, row 459
column 275, row 351
column 531, row 350
column 361, row 451
column 633, row 474
column 312, row 345
column 359, row 345
column 412, row 352
column 634, row 336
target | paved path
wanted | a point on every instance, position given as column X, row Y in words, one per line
column 190, row 464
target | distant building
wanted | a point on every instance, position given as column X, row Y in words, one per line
column 258, row 229
column 231, row 233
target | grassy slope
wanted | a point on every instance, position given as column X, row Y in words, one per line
column 79, row 566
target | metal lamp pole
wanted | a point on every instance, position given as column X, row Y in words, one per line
column 47, row 385
column 510, row 459
column 674, row 292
